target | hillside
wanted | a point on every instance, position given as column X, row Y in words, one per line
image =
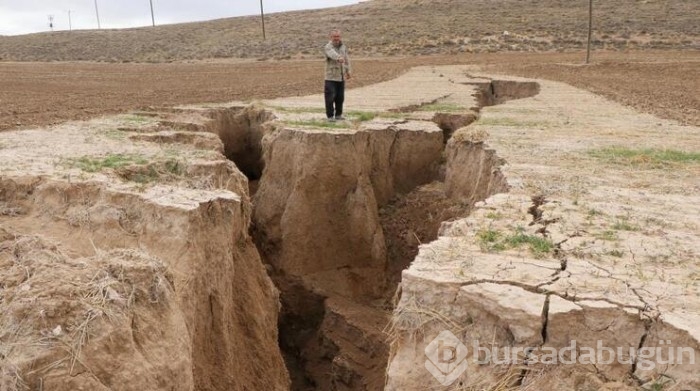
column 383, row 27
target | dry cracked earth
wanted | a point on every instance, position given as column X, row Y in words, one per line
column 200, row 227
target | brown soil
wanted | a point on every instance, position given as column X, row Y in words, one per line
column 40, row 94
column 412, row 219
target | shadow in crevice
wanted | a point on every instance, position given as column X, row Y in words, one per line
column 241, row 130
column 496, row 92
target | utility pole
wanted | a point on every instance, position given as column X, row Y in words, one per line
column 51, row 22
column 70, row 25
column 262, row 17
column 97, row 13
column 153, row 19
column 590, row 30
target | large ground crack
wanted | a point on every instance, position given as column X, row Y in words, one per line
column 331, row 207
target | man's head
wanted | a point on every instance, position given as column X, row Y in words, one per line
column 335, row 37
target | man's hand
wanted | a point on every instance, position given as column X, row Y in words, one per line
column 347, row 76
column 341, row 60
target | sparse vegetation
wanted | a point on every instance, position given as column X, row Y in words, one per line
column 594, row 212
column 648, row 157
column 623, row 225
column 538, row 244
column 418, row 27
column 116, row 134
column 442, row 107
column 136, row 119
column 488, row 236
column 511, row 122
column 322, row 123
column 362, row 116
column 299, row 110
column 494, row 215
column 494, row 241
column 134, row 168
column 607, row 235
column 93, row 164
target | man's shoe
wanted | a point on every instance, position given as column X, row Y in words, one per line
column 340, row 118
column 331, row 119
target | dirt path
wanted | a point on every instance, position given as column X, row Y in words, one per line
column 40, row 94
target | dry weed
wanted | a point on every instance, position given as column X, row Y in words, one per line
column 52, row 306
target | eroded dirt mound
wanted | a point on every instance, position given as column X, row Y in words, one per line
column 155, row 184
column 106, row 322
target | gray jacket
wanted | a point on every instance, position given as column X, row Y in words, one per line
column 336, row 71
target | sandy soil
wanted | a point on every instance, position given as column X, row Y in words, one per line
column 38, row 94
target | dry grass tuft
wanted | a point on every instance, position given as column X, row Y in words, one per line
column 52, row 306
column 471, row 134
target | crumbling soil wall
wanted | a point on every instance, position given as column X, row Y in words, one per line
column 104, row 322
column 241, row 130
column 473, row 169
column 317, row 222
column 316, row 209
column 210, row 321
column 569, row 281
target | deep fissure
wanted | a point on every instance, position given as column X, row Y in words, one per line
column 331, row 331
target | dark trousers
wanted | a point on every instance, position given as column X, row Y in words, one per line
column 334, row 92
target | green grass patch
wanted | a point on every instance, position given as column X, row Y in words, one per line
column 494, row 241
column 137, row 119
column 608, row 235
column 655, row 158
column 494, row 215
column 362, row 116
column 539, row 246
column 488, row 235
column 93, row 164
column 442, row 107
column 622, row 225
column 315, row 123
column 299, row 110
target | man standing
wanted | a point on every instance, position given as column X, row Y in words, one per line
column 337, row 71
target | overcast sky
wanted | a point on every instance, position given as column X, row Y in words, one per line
column 32, row 16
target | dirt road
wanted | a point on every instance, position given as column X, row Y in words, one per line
column 40, row 94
